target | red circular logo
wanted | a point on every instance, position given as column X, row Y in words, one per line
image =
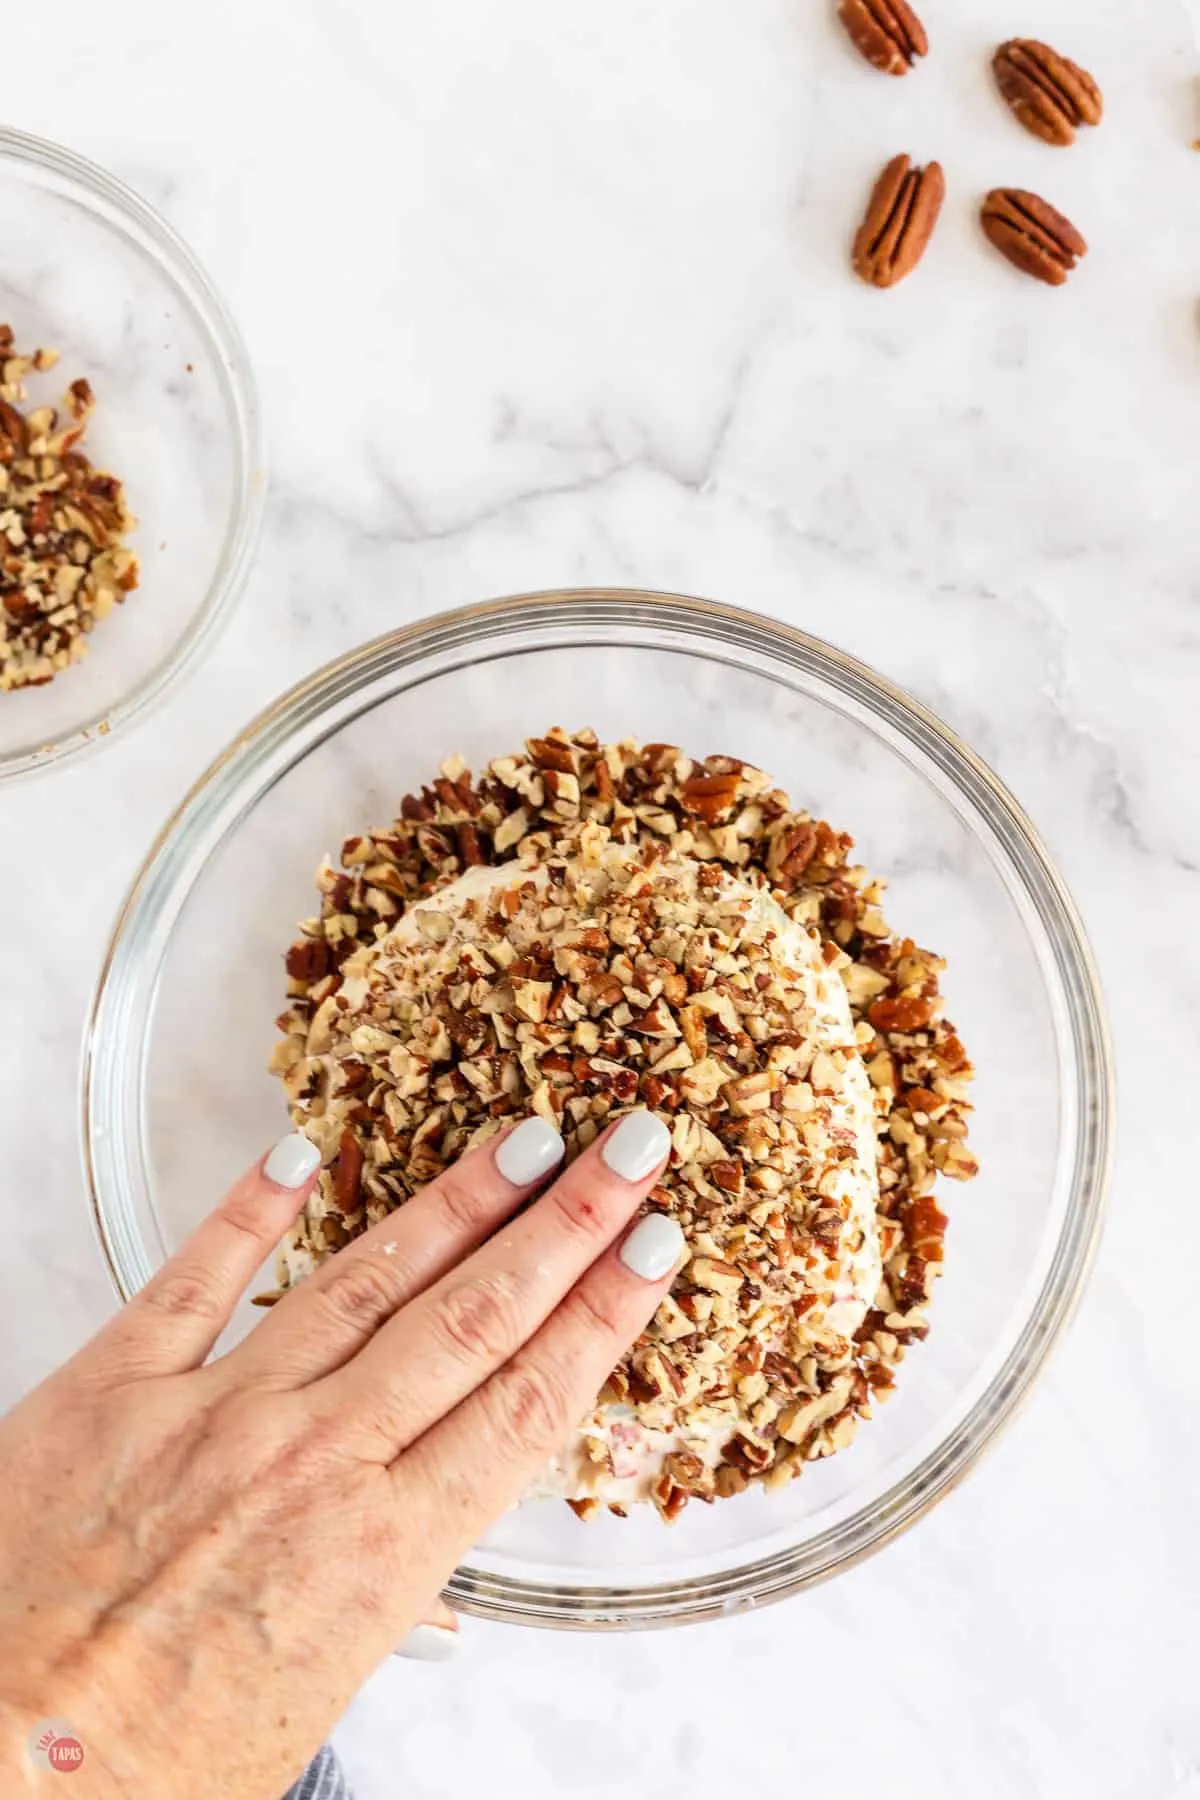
column 65, row 1754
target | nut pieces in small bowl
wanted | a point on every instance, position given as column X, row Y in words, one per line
column 158, row 510
column 65, row 563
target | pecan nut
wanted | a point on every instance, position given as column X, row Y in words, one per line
column 887, row 33
column 1032, row 234
column 1048, row 93
column 899, row 221
column 348, row 1170
column 709, row 796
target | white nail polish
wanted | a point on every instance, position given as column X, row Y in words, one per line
column 637, row 1146
column 653, row 1247
column 292, row 1161
column 429, row 1643
column 529, row 1152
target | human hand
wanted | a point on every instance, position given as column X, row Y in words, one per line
column 200, row 1562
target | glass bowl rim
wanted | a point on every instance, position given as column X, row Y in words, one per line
column 529, row 616
column 138, row 222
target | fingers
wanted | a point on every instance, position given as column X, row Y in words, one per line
column 476, row 1463
column 175, row 1320
column 330, row 1316
column 436, row 1351
column 435, row 1639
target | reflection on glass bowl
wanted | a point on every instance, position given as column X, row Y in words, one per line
column 182, row 1026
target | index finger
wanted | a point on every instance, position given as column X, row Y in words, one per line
column 325, row 1321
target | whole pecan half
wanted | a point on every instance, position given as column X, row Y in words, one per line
column 900, row 217
column 887, row 33
column 1032, row 234
column 1048, row 93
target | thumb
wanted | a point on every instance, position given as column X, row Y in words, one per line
column 436, row 1638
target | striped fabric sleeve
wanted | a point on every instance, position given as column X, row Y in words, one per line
column 322, row 1780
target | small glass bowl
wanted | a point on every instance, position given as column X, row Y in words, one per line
column 177, row 1098
column 90, row 270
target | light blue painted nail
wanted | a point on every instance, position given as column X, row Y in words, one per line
column 634, row 1150
column 529, row 1152
column 430, row 1643
column 653, row 1247
column 292, row 1161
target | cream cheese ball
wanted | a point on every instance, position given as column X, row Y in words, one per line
column 579, row 986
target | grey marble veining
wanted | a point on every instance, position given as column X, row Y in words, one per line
column 550, row 295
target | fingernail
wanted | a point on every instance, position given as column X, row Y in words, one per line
column 292, row 1161
column 529, row 1152
column 637, row 1146
column 653, row 1247
column 429, row 1643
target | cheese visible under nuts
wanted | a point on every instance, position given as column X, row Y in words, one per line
column 834, row 1110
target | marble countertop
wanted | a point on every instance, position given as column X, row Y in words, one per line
column 555, row 295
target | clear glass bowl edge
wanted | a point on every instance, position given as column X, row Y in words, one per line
column 285, row 730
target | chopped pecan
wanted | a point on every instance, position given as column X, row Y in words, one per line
column 792, row 852
column 749, row 1358
column 601, row 992
column 901, row 1014
column 414, row 807
column 709, row 797
column 711, row 1272
column 749, row 1093
column 575, row 999
column 347, row 1174
column 553, row 752
column 927, row 1227
column 728, row 1174
column 749, row 1454
column 65, row 565
column 308, row 960
column 669, row 1499
column 689, row 1473
column 655, row 1373
column 80, row 399
column 14, row 430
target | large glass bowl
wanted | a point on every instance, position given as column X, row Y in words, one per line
column 89, row 269
column 177, row 1098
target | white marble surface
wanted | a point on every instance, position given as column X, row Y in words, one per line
column 544, row 294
